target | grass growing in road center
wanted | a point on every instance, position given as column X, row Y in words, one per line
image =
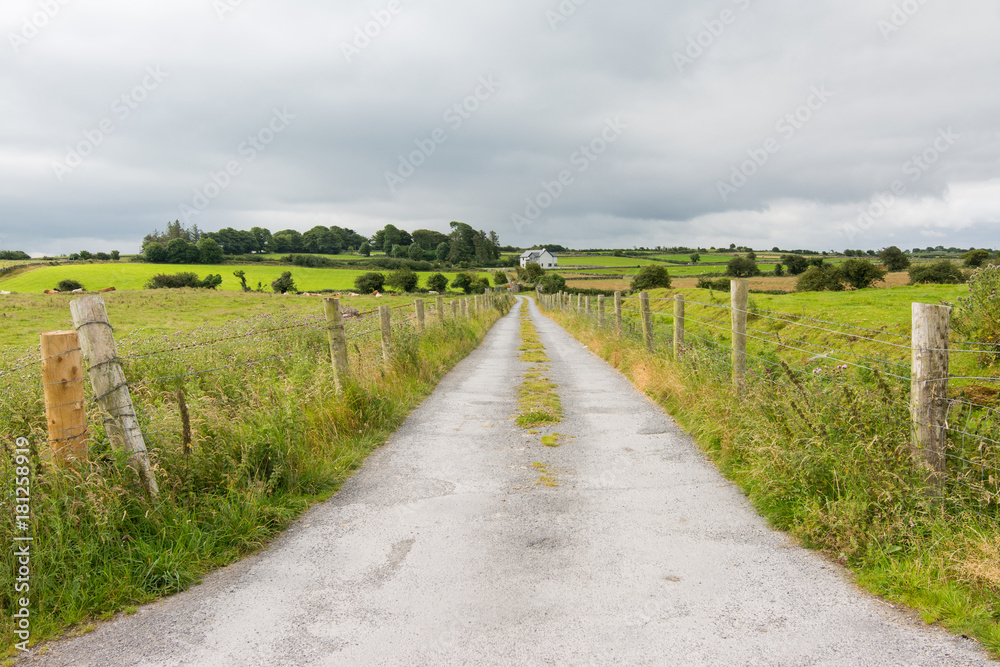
column 538, row 401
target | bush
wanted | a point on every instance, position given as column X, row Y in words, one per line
column 533, row 271
column 369, row 282
column 861, row 273
column 68, row 285
column 977, row 316
column 976, row 258
column 463, row 281
column 742, row 267
column 14, row 254
column 819, row 279
column 500, row 279
column 403, row 279
column 437, row 282
column 552, row 283
column 365, row 250
column 797, row 264
column 183, row 279
column 943, row 273
column 894, row 259
column 311, row 261
column 721, row 284
column 155, row 253
column 284, row 284
column 650, row 277
column 209, row 251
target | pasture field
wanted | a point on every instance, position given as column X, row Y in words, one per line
column 128, row 276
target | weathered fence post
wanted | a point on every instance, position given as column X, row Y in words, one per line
column 62, row 384
column 579, row 302
column 647, row 320
column 338, row 341
column 454, row 310
column 618, row 313
column 440, row 309
column 678, row 325
column 419, row 305
column 385, row 314
column 473, row 306
column 465, row 308
column 601, row 313
column 588, row 305
column 929, row 392
column 740, row 296
column 97, row 340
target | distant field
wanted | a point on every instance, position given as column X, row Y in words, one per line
column 127, row 276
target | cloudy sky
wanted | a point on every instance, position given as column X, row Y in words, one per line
column 823, row 124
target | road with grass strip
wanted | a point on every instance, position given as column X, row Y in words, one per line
column 467, row 540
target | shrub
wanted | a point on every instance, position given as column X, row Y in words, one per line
column 463, row 281
column 797, row 264
column 209, row 251
column 722, row 284
column 742, row 267
column 977, row 316
column 284, row 284
column 68, row 285
column 976, row 258
column 534, row 271
column 365, row 250
column 155, row 253
column 183, row 279
column 437, row 282
column 894, row 259
column 403, row 279
column 820, row 278
column 861, row 273
column 500, row 279
column 552, row 283
column 369, row 282
column 943, row 272
column 650, row 277
column 479, row 285
column 779, row 270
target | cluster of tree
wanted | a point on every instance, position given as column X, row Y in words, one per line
column 650, row 277
column 463, row 245
column 855, row 273
column 86, row 254
column 14, row 254
column 976, row 257
column 859, row 253
column 184, row 279
column 181, row 251
column 941, row 273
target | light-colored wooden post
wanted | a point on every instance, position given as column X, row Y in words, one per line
column 440, row 309
column 385, row 315
column 473, row 306
column 579, row 302
column 618, row 313
column 739, row 291
column 454, row 310
column 678, row 325
column 588, row 305
column 62, row 384
column 338, row 342
column 465, row 308
column 647, row 320
column 419, row 305
column 929, row 393
column 97, row 340
column 601, row 313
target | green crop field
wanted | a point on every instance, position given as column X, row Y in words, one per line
column 127, row 276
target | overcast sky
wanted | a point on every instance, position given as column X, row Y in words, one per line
column 823, row 124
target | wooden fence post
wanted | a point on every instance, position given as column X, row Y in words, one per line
column 385, row 314
column 929, row 393
column 473, row 306
column 579, row 302
column 419, row 305
column 97, row 340
column 647, row 320
column 440, row 309
column 618, row 313
column 601, row 313
column 678, row 325
column 465, row 308
column 588, row 305
column 338, row 342
column 454, row 310
column 740, row 296
column 62, row 384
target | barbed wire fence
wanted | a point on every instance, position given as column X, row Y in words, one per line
column 951, row 416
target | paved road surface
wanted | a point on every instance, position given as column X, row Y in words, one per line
column 444, row 551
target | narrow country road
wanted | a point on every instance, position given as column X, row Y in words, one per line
column 443, row 550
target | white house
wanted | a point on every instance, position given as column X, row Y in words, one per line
column 543, row 258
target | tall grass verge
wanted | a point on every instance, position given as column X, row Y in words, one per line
column 269, row 438
column 826, row 459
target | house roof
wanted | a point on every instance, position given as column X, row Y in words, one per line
column 528, row 254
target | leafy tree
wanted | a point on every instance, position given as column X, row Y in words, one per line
column 796, row 264
column 943, row 272
column 976, row 258
column 894, row 259
column 479, row 285
column 820, row 278
column 211, row 282
column 441, row 252
column 695, row 257
column 242, row 275
column 115, row 255
column 180, row 251
column 85, row 254
column 209, row 251
column 103, row 256
column 365, row 250
column 68, row 285
column 398, row 251
column 779, row 270
column 261, row 238
column 437, row 282
column 155, row 253
column 500, row 279
column 284, row 284
column 320, row 240
column 428, row 240
column 551, row 283
column 752, row 256
column 404, row 279
column 815, row 261
column 369, row 282
column 463, row 281
column 287, row 240
column 651, row 277
column 977, row 316
column 742, row 267
column 861, row 273
column 533, row 271
column 415, row 252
